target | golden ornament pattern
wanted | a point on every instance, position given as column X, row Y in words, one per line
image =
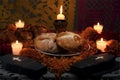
column 34, row 12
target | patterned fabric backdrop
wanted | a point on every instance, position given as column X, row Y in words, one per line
column 36, row 11
column 79, row 13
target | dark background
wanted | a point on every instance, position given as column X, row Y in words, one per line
column 107, row 12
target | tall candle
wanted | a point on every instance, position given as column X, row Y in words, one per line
column 16, row 47
column 101, row 44
column 61, row 16
column 98, row 28
column 19, row 24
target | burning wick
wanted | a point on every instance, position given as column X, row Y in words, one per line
column 16, row 59
column 99, row 57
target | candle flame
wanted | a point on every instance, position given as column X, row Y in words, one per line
column 19, row 21
column 101, row 39
column 16, row 41
column 61, row 9
column 98, row 23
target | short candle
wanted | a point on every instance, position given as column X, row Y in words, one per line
column 16, row 47
column 101, row 44
column 61, row 16
column 19, row 24
column 98, row 28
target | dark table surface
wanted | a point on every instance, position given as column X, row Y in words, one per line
column 8, row 75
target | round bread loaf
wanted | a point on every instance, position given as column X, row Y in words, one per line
column 46, row 42
column 69, row 40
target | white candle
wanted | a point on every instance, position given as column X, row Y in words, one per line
column 101, row 44
column 16, row 47
column 61, row 16
column 98, row 28
column 19, row 24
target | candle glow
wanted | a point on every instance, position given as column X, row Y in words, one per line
column 16, row 47
column 19, row 24
column 101, row 44
column 61, row 16
column 61, row 9
column 98, row 28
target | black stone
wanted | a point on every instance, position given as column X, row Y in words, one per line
column 26, row 66
column 94, row 66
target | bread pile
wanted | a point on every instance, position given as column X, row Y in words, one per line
column 51, row 42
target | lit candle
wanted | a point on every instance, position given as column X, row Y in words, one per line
column 19, row 24
column 98, row 28
column 101, row 44
column 61, row 16
column 16, row 47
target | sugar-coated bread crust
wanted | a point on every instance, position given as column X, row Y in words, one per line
column 69, row 40
column 46, row 42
